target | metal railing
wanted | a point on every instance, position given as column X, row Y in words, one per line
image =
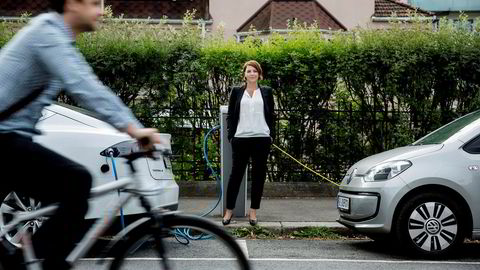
column 328, row 141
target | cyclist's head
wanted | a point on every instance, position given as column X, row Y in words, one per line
column 83, row 14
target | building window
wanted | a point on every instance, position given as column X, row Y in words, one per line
column 464, row 25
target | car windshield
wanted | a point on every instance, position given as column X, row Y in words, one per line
column 442, row 134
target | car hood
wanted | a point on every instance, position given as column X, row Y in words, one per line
column 401, row 153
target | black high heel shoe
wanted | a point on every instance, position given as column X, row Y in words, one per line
column 227, row 221
column 252, row 222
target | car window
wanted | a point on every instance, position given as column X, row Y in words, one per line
column 473, row 147
column 442, row 134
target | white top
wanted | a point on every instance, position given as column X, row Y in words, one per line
column 252, row 117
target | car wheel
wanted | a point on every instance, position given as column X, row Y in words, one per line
column 431, row 225
column 15, row 203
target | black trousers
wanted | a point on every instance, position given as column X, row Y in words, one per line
column 35, row 171
column 243, row 149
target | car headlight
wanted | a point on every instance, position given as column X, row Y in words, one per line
column 387, row 170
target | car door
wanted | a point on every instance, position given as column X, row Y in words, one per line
column 472, row 151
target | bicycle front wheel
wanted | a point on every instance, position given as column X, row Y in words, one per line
column 213, row 248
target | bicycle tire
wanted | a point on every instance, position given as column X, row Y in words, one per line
column 170, row 222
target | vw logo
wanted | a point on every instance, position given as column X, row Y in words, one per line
column 433, row 226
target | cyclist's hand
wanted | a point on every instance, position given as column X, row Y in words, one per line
column 147, row 137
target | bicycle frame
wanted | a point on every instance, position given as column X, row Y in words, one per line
column 132, row 187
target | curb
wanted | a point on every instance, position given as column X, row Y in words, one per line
column 284, row 226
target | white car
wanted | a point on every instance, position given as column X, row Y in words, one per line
column 78, row 135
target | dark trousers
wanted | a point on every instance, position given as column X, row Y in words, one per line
column 35, row 171
column 242, row 150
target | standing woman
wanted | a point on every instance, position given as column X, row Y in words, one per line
column 250, row 125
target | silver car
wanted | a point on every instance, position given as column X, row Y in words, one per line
column 425, row 195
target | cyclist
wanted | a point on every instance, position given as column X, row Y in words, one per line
column 39, row 61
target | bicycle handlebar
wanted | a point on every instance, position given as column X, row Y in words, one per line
column 157, row 149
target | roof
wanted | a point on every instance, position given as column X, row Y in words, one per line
column 155, row 9
column 17, row 8
column 385, row 8
column 275, row 13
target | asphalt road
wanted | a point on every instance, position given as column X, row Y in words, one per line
column 298, row 255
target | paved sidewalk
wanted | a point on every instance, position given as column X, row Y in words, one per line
column 277, row 213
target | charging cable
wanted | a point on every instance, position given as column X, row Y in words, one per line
column 305, row 166
column 184, row 235
column 110, row 153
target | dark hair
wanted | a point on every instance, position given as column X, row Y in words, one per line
column 57, row 5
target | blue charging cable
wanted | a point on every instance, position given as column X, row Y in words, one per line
column 214, row 172
column 114, row 167
column 184, row 235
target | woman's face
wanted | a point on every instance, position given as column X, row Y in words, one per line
column 251, row 74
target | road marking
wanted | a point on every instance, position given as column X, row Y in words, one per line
column 292, row 260
column 158, row 259
column 243, row 246
column 366, row 261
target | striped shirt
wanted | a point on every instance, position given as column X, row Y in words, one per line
column 43, row 55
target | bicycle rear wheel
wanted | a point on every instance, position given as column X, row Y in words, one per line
column 218, row 251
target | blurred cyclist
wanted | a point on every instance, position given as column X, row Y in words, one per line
column 35, row 65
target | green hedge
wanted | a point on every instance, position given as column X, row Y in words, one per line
column 339, row 99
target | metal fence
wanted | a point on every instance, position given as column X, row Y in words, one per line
column 328, row 141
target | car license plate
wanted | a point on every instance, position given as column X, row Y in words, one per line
column 343, row 204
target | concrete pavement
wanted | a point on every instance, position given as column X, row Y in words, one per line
column 275, row 213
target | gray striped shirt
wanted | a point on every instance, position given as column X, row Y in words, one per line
column 43, row 55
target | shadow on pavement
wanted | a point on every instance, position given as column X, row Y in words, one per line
column 470, row 250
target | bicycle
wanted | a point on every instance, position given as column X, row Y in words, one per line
column 157, row 224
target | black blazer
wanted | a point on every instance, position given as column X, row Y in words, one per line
column 234, row 109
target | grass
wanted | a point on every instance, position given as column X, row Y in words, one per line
column 255, row 232
column 311, row 233
column 316, row 232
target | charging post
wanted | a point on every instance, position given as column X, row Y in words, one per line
column 226, row 168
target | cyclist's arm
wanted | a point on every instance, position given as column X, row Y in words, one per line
column 65, row 63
